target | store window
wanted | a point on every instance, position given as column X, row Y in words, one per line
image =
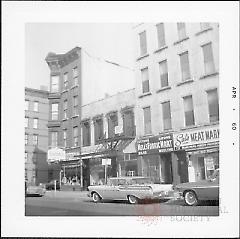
column 208, row 59
column 213, row 106
column 75, row 136
column 35, row 123
column 112, row 123
column 86, row 133
column 161, row 35
column 181, row 27
column 35, row 106
column 54, row 139
column 166, row 112
column 98, row 130
column 147, row 120
column 163, row 68
column 143, row 43
column 145, row 80
column 185, row 68
column 188, row 111
column 54, row 112
column 54, row 84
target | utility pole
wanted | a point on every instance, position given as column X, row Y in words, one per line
column 81, row 173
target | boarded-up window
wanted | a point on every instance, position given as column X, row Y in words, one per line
column 145, row 80
column 213, row 105
column 166, row 111
column 147, row 120
column 188, row 110
column 208, row 58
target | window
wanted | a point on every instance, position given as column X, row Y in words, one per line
column 75, row 76
column 35, row 106
column 112, row 123
column 86, row 134
column 147, row 120
column 161, row 35
column 35, row 123
column 26, row 139
column 35, row 139
column 26, row 156
column 188, row 111
column 163, row 68
column 26, row 122
column 185, row 66
column 143, row 43
column 65, row 138
column 55, row 111
column 213, row 106
column 54, row 84
column 181, row 30
column 65, row 109
column 208, row 58
column 98, row 130
column 166, row 111
column 54, row 139
column 75, row 105
column 204, row 25
column 75, row 136
column 145, row 80
column 128, row 123
column 26, row 104
column 65, row 80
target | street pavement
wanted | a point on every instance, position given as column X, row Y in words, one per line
column 77, row 203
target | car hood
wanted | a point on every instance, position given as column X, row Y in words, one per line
column 194, row 184
column 161, row 187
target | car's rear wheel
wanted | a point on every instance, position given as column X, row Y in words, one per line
column 132, row 199
column 96, row 197
column 190, row 198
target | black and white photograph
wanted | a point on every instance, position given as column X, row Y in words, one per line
column 125, row 122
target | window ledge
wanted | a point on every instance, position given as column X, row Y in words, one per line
column 143, row 56
column 208, row 75
column 144, row 94
column 185, row 82
column 75, row 116
column 160, row 49
column 64, row 91
column 75, row 86
column 179, row 41
column 163, row 89
column 166, row 131
column 146, row 136
column 202, row 31
column 190, row 127
column 65, row 119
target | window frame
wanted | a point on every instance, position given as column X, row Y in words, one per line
column 37, row 122
column 146, row 130
column 192, row 110
column 143, row 43
column 36, row 109
column 205, row 63
column 210, row 116
column 183, row 67
column 168, row 114
column 145, row 83
column 53, row 90
column 163, row 75
column 55, row 113
column 161, row 38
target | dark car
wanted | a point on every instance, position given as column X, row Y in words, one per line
column 193, row 192
column 51, row 185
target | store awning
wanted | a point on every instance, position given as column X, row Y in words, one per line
column 130, row 148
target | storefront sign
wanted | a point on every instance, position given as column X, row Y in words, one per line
column 70, row 156
column 56, row 154
column 106, row 161
column 156, row 144
column 209, row 163
column 197, row 138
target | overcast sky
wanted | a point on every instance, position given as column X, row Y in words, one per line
column 108, row 41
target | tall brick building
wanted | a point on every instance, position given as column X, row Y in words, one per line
column 177, row 88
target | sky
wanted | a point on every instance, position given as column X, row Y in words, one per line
column 110, row 41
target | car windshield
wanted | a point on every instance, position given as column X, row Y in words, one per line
column 215, row 175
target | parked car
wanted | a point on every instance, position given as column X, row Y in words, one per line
column 51, row 185
column 133, row 189
column 32, row 190
column 193, row 192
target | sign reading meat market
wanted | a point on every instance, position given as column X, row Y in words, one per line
column 155, row 144
column 206, row 137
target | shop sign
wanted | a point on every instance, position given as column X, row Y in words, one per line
column 55, row 155
column 70, row 156
column 197, row 139
column 155, row 144
column 106, row 161
column 209, row 163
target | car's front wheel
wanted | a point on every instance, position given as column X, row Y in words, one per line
column 190, row 198
column 96, row 197
column 132, row 199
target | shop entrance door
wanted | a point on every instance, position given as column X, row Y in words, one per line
column 166, row 169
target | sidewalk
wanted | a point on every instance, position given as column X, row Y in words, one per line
column 67, row 194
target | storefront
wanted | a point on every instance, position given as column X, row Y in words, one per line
column 200, row 148
column 155, row 156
